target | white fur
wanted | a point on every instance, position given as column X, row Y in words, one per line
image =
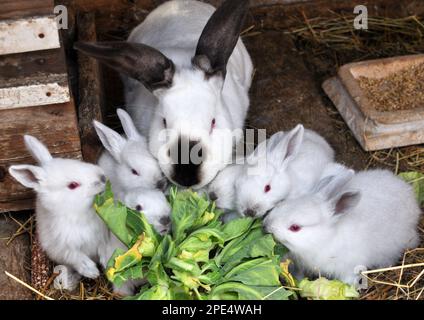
column 223, row 187
column 290, row 163
column 154, row 206
column 125, row 154
column 193, row 101
column 157, row 211
column 367, row 219
column 69, row 229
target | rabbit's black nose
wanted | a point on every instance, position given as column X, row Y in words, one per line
column 187, row 158
column 103, row 178
column 165, row 221
column 249, row 213
column 213, row 196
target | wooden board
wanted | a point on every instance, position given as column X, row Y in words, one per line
column 13, row 9
column 90, row 106
column 33, row 78
column 55, row 125
column 29, row 34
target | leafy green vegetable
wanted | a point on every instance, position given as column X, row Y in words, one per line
column 416, row 179
column 125, row 223
column 202, row 258
column 324, row 289
column 239, row 291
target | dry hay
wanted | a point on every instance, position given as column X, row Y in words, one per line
column 329, row 42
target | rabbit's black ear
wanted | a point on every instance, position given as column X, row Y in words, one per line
column 220, row 36
column 136, row 60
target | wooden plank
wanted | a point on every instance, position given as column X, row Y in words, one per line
column 18, row 205
column 37, row 94
column 22, row 65
column 30, row 34
column 13, row 9
column 33, row 79
column 55, row 125
column 90, row 90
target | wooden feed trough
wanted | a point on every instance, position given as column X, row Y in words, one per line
column 376, row 129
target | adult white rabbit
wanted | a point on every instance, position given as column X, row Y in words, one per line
column 69, row 230
column 285, row 166
column 189, row 76
column 349, row 222
column 127, row 161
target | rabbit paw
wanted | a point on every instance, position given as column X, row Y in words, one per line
column 66, row 279
column 88, row 269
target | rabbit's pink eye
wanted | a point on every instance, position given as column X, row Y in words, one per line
column 135, row 172
column 294, row 228
column 267, row 188
column 73, row 185
column 139, row 207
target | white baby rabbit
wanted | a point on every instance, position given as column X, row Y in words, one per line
column 157, row 211
column 190, row 76
column 349, row 222
column 69, row 230
column 127, row 162
column 285, row 166
column 154, row 205
column 222, row 188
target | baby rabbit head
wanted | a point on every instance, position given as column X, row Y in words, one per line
column 310, row 221
column 265, row 180
column 183, row 133
column 136, row 167
column 59, row 182
column 153, row 204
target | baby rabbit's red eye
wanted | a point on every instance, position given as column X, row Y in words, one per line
column 294, row 228
column 139, row 207
column 267, row 188
column 135, row 172
column 73, row 185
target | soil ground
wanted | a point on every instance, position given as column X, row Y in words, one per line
column 286, row 91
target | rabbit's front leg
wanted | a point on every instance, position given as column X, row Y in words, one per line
column 82, row 264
